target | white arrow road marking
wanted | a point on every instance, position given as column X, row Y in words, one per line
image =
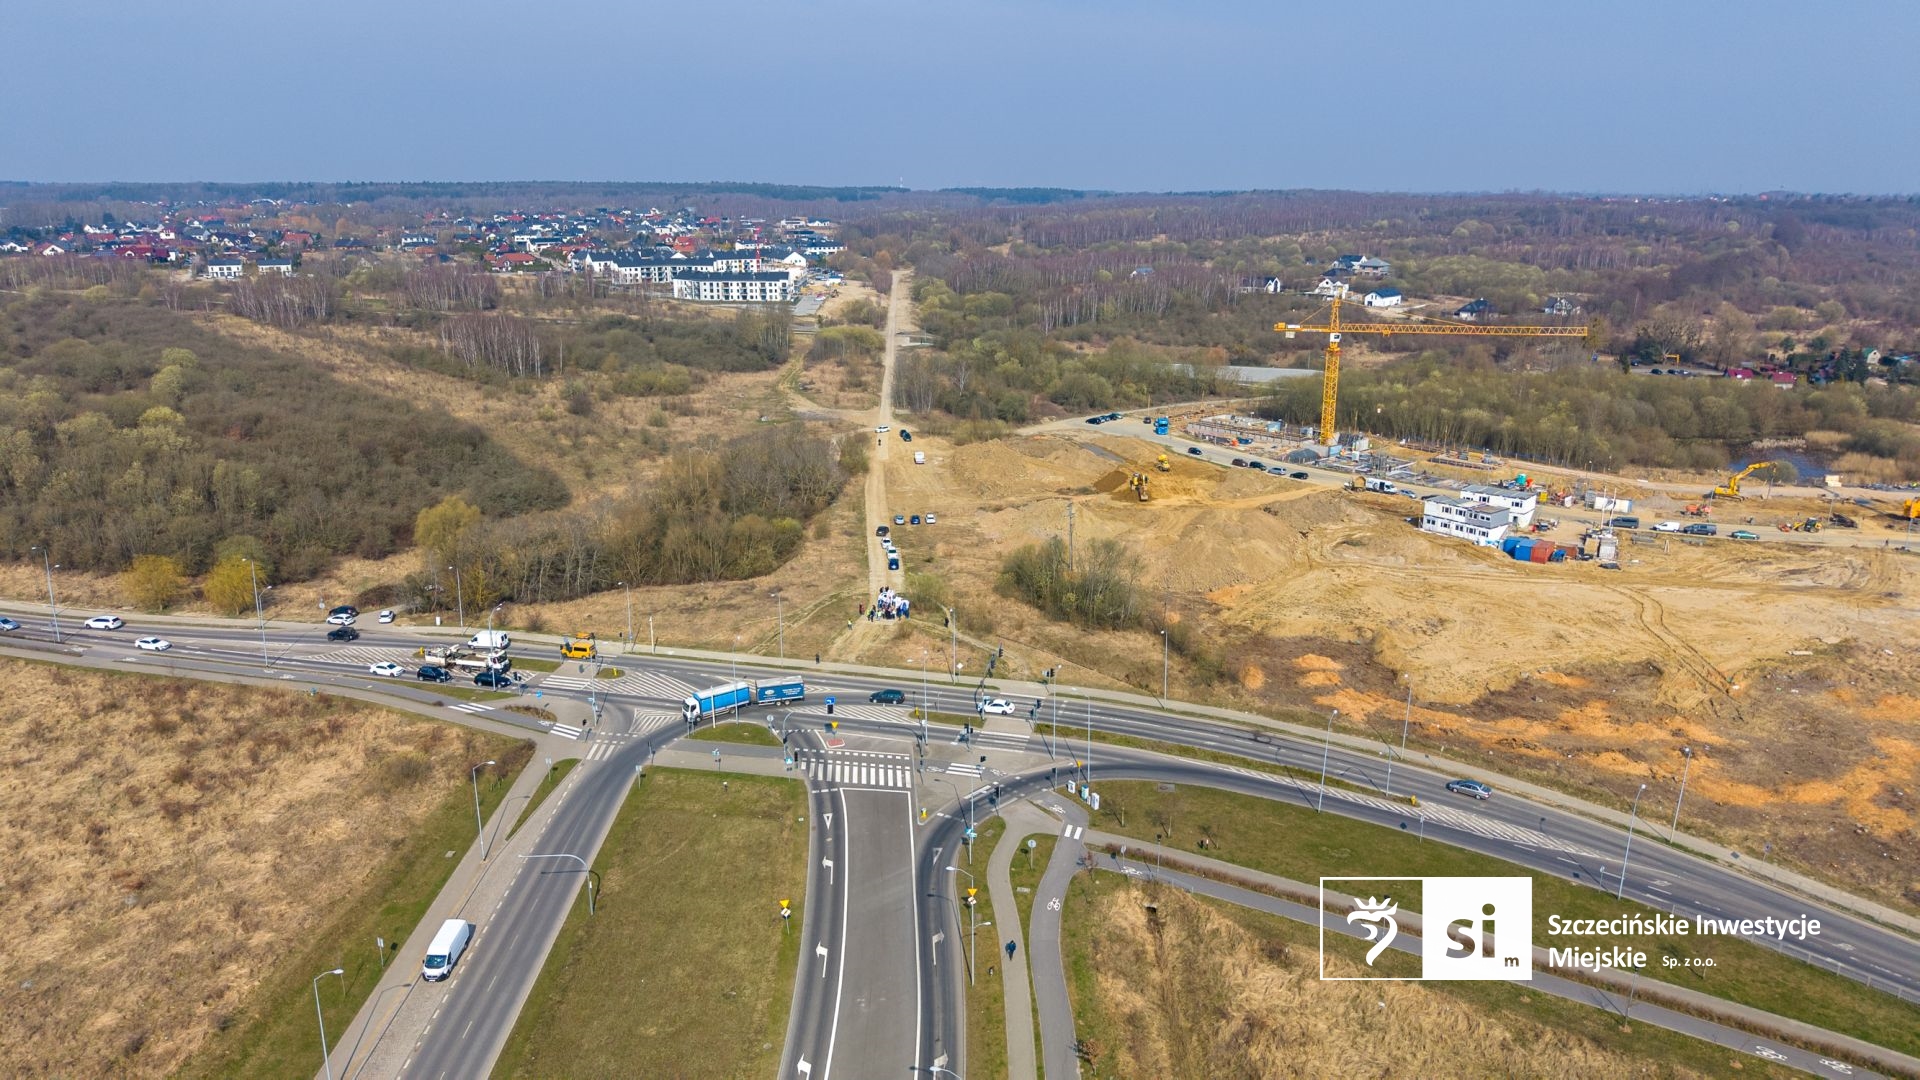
column 937, row 939
column 805, row 1069
column 828, row 863
column 821, row 952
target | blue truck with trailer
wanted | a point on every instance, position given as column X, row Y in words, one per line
column 707, row 704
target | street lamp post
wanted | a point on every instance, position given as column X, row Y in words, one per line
column 1628, row 852
column 1166, row 658
column 972, row 925
column 459, row 595
column 326, row 1059
column 953, row 645
column 924, row 707
column 1686, row 752
column 258, row 611
column 1326, row 752
column 592, row 875
column 1405, row 722
column 53, row 609
column 473, row 774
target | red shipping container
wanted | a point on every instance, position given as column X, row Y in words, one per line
column 1540, row 553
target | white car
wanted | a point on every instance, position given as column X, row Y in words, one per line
column 931, row 520
column 996, row 707
column 883, row 429
column 8, row 625
column 342, row 619
column 387, row 669
column 153, row 644
column 106, row 622
column 1667, row 526
column 386, row 616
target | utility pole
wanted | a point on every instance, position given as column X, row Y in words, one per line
column 259, row 613
column 629, row 589
column 1069, row 537
column 1166, row 658
column 459, row 595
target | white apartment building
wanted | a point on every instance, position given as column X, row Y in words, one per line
column 225, row 269
column 1521, row 504
column 773, row 287
column 1468, row 519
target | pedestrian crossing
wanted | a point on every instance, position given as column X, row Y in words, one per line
column 964, row 768
column 855, row 769
column 567, row 731
column 887, row 714
column 366, row 654
column 648, row 723
column 1002, row 740
column 472, row 707
column 575, row 682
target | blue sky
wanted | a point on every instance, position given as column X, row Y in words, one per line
column 1679, row 96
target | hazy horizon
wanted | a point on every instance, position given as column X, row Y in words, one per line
column 1650, row 98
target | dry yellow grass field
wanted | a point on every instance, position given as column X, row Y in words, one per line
column 168, row 840
column 1195, row 990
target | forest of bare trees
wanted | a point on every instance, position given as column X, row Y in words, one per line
column 505, row 343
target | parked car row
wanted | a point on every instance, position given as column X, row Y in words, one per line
column 1104, row 418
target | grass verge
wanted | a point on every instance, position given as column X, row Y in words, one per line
column 554, row 776
column 608, row 673
column 1294, row 842
column 742, row 732
column 1201, row 987
column 274, row 1034
column 524, row 663
column 986, row 999
column 688, row 951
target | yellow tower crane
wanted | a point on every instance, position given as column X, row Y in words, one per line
column 1330, row 385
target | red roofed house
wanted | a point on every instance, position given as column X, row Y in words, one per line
column 1784, row 379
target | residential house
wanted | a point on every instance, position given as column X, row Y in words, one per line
column 821, row 247
column 1372, row 267
column 766, row 287
column 1785, row 380
column 1140, row 272
column 1741, row 373
column 1561, row 305
column 416, row 240
column 1260, row 285
column 1346, row 263
column 1468, row 519
column 49, row 249
column 1330, row 286
column 1382, row 298
column 225, row 269
column 283, row 267
column 1475, row 311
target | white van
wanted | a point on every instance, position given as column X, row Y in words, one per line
column 919, row 457
column 491, row 640
column 445, row 951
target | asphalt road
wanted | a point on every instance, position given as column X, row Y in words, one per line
column 871, row 1000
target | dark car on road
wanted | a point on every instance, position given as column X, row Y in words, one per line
column 1297, row 476
column 887, row 697
column 905, row 435
column 1623, row 523
column 1194, row 450
column 433, row 673
column 346, row 609
column 343, row 633
column 495, row 680
column 1702, row 528
column 1239, row 463
column 1256, row 463
column 883, row 530
column 1470, row 787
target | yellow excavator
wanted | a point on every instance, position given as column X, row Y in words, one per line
column 1162, row 464
column 1731, row 489
column 1909, row 510
column 1138, row 482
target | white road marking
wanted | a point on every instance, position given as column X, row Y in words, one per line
column 567, row 732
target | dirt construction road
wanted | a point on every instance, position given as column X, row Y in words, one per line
column 899, row 321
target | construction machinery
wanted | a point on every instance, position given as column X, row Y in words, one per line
column 1334, row 328
column 1698, row 509
column 1731, row 489
column 1909, row 510
column 1161, row 463
column 1843, row 521
column 1138, row 482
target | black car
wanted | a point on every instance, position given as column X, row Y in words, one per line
column 1296, row 476
column 433, row 673
column 1702, row 528
column 1255, row 463
column 887, row 697
column 497, row 680
column 343, row 633
column 1239, row 463
column 915, row 519
column 1194, row 450
column 346, row 609
column 1096, row 419
column 1113, row 416
column 1622, row 523
column 905, row 435
column 882, row 530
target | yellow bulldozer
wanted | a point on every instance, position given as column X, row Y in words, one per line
column 1138, row 482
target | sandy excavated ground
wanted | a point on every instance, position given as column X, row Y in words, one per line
column 1794, row 673
column 163, row 836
